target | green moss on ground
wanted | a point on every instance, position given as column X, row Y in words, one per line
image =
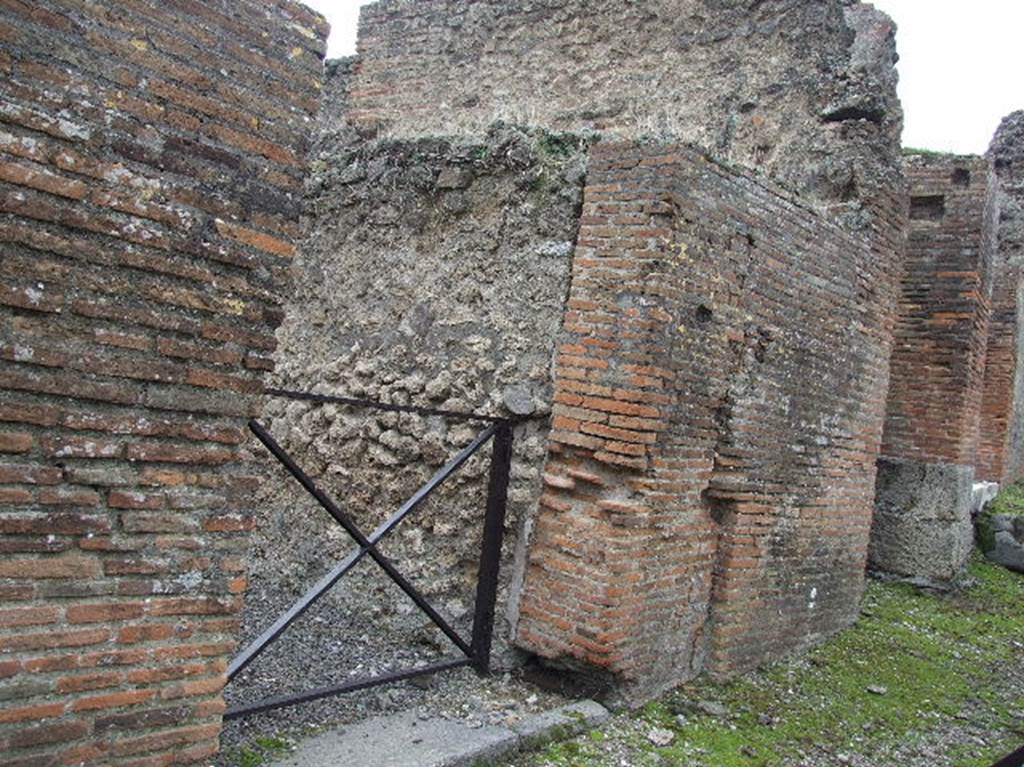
column 258, row 752
column 1009, row 502
column 913, row 662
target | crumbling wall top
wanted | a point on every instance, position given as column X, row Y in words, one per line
column 1007, row 156
column 805, row 91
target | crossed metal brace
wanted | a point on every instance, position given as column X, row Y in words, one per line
column 478, row 649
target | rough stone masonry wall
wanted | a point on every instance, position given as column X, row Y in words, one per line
column 719, row 399
column 922, row 525
column 802, row 90
column 151, row 165
column 435, row 273
column 1001, row 451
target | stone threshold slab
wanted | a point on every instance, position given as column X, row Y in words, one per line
column 416, row 738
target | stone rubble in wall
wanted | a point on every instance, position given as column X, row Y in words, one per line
column 506, row 205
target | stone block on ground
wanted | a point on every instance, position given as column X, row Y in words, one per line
column 407, row 739
column 1006, row 545
column 922, row 526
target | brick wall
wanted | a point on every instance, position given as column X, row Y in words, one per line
column 1000, row 367
column 1001, row 452
column 942, row 325
column 718, row 413
column 922, row 525
column 151, row 164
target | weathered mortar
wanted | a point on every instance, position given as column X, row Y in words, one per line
column 435, row 273
column 151, row 167
column 1001, row 453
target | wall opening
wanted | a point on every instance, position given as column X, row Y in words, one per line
column 931, row 207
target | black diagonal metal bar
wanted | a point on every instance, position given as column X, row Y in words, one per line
column 250, row 653
column 1016, row 759
column 326, row 692
column 490, row 552
column 342, row 519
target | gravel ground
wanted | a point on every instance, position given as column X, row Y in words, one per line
column 317, row 651
column 924, row 680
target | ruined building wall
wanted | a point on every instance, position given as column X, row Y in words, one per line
column 434, row 273
column 151, row 165
column 803, row 91
column 1001, row 452
column 922, row 521
column 938, row 354
column 709, row 484
column 636, row 516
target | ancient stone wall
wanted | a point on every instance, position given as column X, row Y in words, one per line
column 151, row 166
column 435, row 273
column 658, row 477
column 803, row 91
column 719, row 401
column 922, row 525
column 1001, row 452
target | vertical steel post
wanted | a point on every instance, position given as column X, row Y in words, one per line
column 490, row 551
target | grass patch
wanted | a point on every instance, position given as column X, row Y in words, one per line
column 912, row 663
column 910, row 150
column 1009, row 502
column 558, row 146
column 258, row 751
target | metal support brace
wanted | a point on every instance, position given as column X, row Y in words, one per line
column 478, row 650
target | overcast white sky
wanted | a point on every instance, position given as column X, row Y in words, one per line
column 961, row 65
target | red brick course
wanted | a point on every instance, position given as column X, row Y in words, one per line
column 151, row 161
column 938, row 360
column 922, row 526
column 719, row 411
